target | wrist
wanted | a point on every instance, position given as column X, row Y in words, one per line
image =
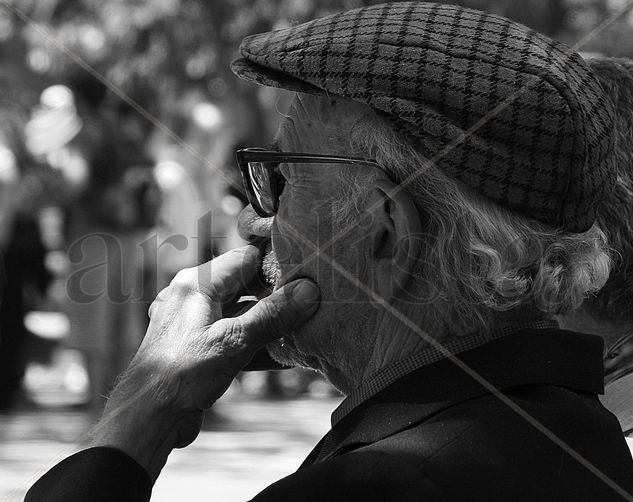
column 145, row 424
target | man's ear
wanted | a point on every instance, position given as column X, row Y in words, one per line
column 395, row 231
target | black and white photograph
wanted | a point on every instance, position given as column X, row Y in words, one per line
column 316, row 250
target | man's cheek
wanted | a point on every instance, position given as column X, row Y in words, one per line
column 291, row 248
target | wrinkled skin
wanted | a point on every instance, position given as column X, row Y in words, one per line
column 191, row 353
column 298, row 233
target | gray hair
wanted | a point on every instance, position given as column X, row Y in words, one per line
column 480, row 259
column 615, row 300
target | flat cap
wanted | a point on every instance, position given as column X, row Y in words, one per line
column 511, row 113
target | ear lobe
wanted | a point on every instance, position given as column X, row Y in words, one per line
column 396, row 231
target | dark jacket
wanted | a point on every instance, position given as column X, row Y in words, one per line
column 519, row 420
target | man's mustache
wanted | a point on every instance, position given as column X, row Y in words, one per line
column 270, row 265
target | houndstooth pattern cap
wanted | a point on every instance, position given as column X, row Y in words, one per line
column 509, row 112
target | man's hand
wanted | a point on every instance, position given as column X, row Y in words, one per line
column 190, row 354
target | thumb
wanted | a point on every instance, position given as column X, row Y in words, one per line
column 284, row 310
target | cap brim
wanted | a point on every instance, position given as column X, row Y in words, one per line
column 262, row 75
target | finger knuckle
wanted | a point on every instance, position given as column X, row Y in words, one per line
column 184, row 280
column 158, row 302
column 236, row 252
column 151, row 311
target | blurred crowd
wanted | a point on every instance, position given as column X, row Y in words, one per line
column 82, row 205
column 96, row 217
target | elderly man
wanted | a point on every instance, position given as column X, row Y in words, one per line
column 610, row 312
column 437, row 177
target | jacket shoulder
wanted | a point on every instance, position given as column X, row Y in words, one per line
column 568, row 448
column 367, row 476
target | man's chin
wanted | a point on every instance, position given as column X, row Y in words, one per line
column 285, row 354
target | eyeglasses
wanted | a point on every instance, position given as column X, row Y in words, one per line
column 263, row 181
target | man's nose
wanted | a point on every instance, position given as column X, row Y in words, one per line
column 252, row 227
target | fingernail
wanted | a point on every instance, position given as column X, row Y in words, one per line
column 305, row 293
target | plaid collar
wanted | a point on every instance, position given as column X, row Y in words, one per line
column 385, row 377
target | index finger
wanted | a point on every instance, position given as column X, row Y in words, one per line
column 225, row 276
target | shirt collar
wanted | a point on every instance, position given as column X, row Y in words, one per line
column 388, row 375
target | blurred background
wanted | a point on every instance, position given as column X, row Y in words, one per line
column 118, row 123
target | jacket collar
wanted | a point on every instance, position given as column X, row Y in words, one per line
column 547, row 356
column 434, row 353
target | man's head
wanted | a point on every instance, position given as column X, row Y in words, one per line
column 480, row 211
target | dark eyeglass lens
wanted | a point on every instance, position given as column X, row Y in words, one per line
column 260, row 182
